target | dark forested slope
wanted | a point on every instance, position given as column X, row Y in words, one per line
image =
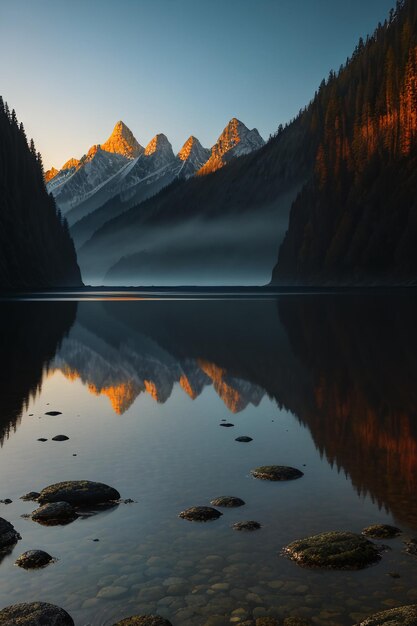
column 36, row 250
column 355, row 221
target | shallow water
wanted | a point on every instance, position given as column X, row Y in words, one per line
column 323, row 383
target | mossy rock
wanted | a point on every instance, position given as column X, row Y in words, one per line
column 334, row 550
column 33, row 559
column 381, row 531
column 54, row 513
column 276, row 472
column 8, row 535
column 296, row 621
column 401, row 616
column 35, row 614
column 227, row 501
column 200, row 514
column 79, row 493
column 267, row 621
column 144, row 620
column 249, row 525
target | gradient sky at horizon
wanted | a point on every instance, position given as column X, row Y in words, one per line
column 182, row 67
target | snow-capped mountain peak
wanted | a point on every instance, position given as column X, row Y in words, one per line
column 193, row 156
column 159, row 143
column 235, row 140
column 122, row 141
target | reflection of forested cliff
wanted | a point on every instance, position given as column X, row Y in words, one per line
column 30, row 333
column 362, row 354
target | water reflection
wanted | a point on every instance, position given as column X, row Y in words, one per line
column 345, row 366
column 30, row 335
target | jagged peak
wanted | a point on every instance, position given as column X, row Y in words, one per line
column 158, row 143
column 192, row 144
column 70, row 163
column 50, row 174
column 122, row 141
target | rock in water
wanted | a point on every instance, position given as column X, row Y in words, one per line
column 60, row 438
column 276, row 472
column 79, row 493
column 244, row 439
column 35, row 614
column 381, row 531
column 200, row 514
column 32, row 495
column 334, row 550
column 248, row 525
column 401, row 616
column 8, row 534
column 54, row 513
column 143, row 620
column 53, row 413
column 32, row 559
column 227, row 501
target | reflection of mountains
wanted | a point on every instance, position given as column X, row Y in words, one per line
column 345, row 365
column 30, row 333
column 122, row 367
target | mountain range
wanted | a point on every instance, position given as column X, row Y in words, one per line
column 120, row 173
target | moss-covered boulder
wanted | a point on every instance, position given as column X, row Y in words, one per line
column 8, row 535
column 35, row 614
column 401, row 616
column 381, row 531
column 334, row 550
column 227, row 501
column 54, row 513
column 276, row 472
column 79, row 493
column 144, row 620
column 33, row 559
column 200, row 514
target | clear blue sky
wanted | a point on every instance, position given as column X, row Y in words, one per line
column 72, row 68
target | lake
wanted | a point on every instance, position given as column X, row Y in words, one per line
column 326, row 383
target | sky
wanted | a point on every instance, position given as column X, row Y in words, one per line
column 72, row 69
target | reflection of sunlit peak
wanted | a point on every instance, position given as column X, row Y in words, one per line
column 230, row 396
column 152, row 389
column 187, row 387
column 121, row 396
column 69, row 373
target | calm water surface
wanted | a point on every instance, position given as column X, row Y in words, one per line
column 323, row 383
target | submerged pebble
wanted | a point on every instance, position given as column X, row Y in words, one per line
column 143, row 620
column 53, row 413
column 60, row 438
column 244, row 439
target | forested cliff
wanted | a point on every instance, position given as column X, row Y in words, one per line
column 355, row 221
column 36, row 250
